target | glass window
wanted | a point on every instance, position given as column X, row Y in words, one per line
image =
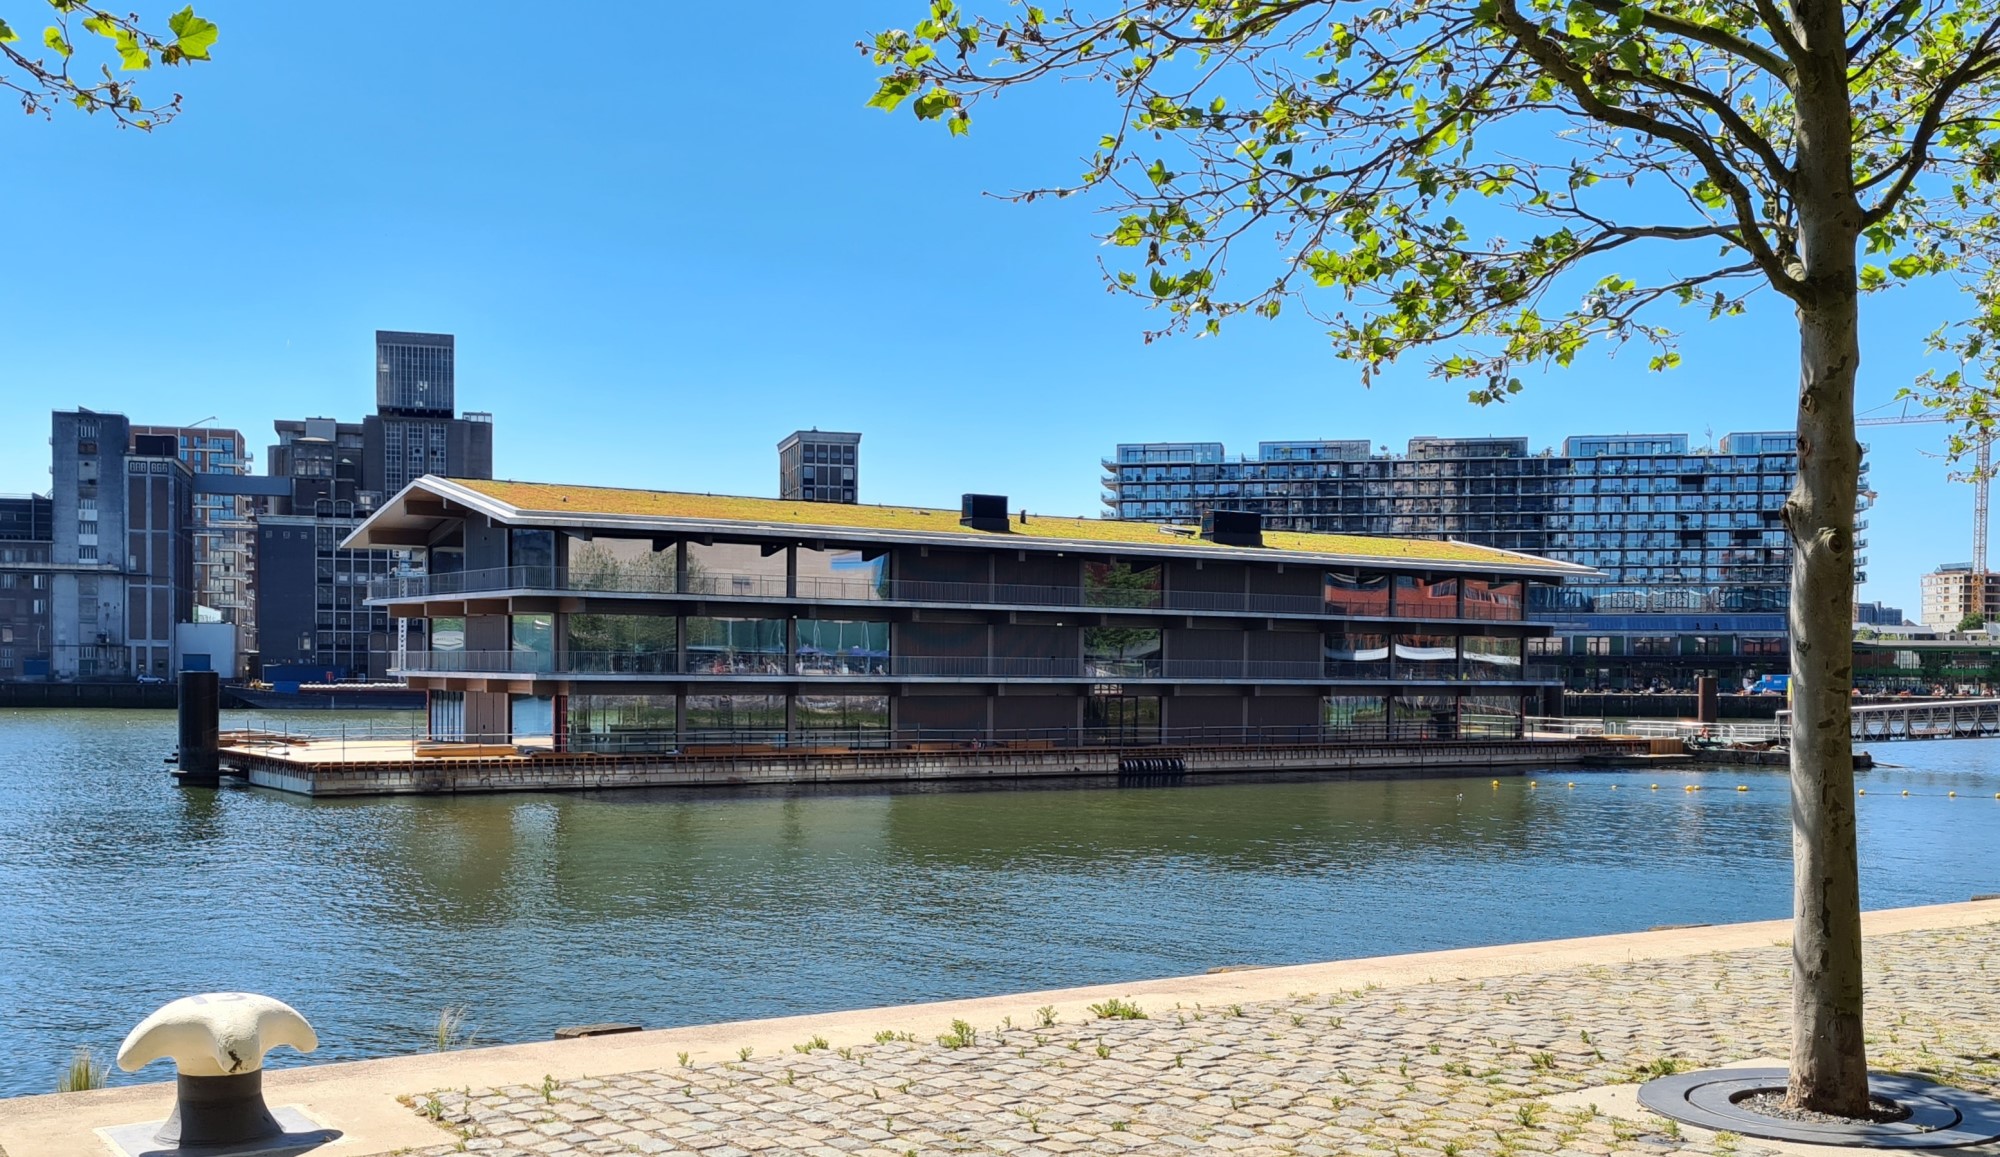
column 1121, row 652
column 1424, row 717
column 1426, row 656
column 842, row 574
column 1357, row 655
column 534, row 642
column 1357, row 718
column 1490, row 717
column 843, row 720
column 1490, row 659
column 735, row 568
column 1419, row 597
column 1119, row 584
column 446, row 634
column 842, row 647
column 1493, row 599
column 534, row 550
column 740, row 718
column 634, row 565
column 736, row 646
column 621, row 723
column 1356, row 593
column 1121, row 719
column 622, row 644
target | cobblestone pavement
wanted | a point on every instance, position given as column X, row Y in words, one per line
column 1443, row 1069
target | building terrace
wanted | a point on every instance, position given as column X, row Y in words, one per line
column 628, row 620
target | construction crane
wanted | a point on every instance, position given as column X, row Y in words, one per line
column 1981, row 476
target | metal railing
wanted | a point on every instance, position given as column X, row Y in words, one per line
column 664, row 662
column 712, row 738
column 558, row 580
column 1731, row 732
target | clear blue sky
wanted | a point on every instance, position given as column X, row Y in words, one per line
column 661, row 251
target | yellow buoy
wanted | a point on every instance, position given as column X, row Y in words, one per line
column 1496, row 783
column 1996, row 795
column 1689, row 787
column 1864, row 791
column 1533, row 783
column 1571, row 783
column 1906, row 791
column 1742, row 787
column 1951, row 795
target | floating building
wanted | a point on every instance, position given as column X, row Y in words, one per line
column 624, row 620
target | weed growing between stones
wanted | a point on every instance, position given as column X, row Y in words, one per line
column 1116, row 1009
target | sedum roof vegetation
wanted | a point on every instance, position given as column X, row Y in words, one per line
column 587, row 501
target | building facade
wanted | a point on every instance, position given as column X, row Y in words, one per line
column 27, row 543
column 617, row 620
column 224, row 536
column 311, row 593
column 820, row 466
column 1689, row 543
column 1877, row 615
column 121, row 558
column 1951, row 592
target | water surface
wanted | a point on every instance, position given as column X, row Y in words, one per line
column 119, row 891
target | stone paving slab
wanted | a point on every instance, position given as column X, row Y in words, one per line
column 1448, row 1068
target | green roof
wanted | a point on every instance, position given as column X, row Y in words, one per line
column 599, row 502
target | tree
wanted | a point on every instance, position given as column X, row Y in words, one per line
column 59, row 75
column 1508, row 181
column 1973, row 621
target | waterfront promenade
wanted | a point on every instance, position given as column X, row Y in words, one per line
column 1491, row 1051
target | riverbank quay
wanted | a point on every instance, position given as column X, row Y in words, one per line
column 125, row 696
column 335, row 766
column 1482, row 1051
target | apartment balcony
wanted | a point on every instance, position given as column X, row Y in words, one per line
column 764, row 668
column 544, row 581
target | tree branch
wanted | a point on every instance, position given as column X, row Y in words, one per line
column 1748, row 51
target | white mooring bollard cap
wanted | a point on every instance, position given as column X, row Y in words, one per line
column 216, row 1034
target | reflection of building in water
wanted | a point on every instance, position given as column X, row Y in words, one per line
column 637, row 620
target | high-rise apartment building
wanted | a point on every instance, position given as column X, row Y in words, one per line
column 820, row 466
column 1690, row 542
column 310, row 593
column 1952, row 592
column 224, row 549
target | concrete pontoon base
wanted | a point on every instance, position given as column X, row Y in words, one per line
column 388, row 767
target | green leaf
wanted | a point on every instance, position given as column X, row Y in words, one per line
column 6, row 33
column 1630, row 18
column 53, row 37
column 192, row 35
column 1907, row 266
column 893, row 91
column 132, row 55
column 1710, row 194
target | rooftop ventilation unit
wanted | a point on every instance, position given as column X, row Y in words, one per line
column 984, row 512
column 1233, row 528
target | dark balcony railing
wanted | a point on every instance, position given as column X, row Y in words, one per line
column 544, row 579
column 649, row 663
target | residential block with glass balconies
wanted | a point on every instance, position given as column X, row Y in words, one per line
column 591, row 619
column 1688, row 543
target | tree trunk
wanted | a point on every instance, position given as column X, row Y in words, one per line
column 1829, row 1069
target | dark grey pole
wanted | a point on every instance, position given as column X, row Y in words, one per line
column 200, row 720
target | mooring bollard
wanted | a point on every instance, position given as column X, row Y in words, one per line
column 217, row 1041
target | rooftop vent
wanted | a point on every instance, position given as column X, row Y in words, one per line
column 984, row 512
column 1233, row 528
